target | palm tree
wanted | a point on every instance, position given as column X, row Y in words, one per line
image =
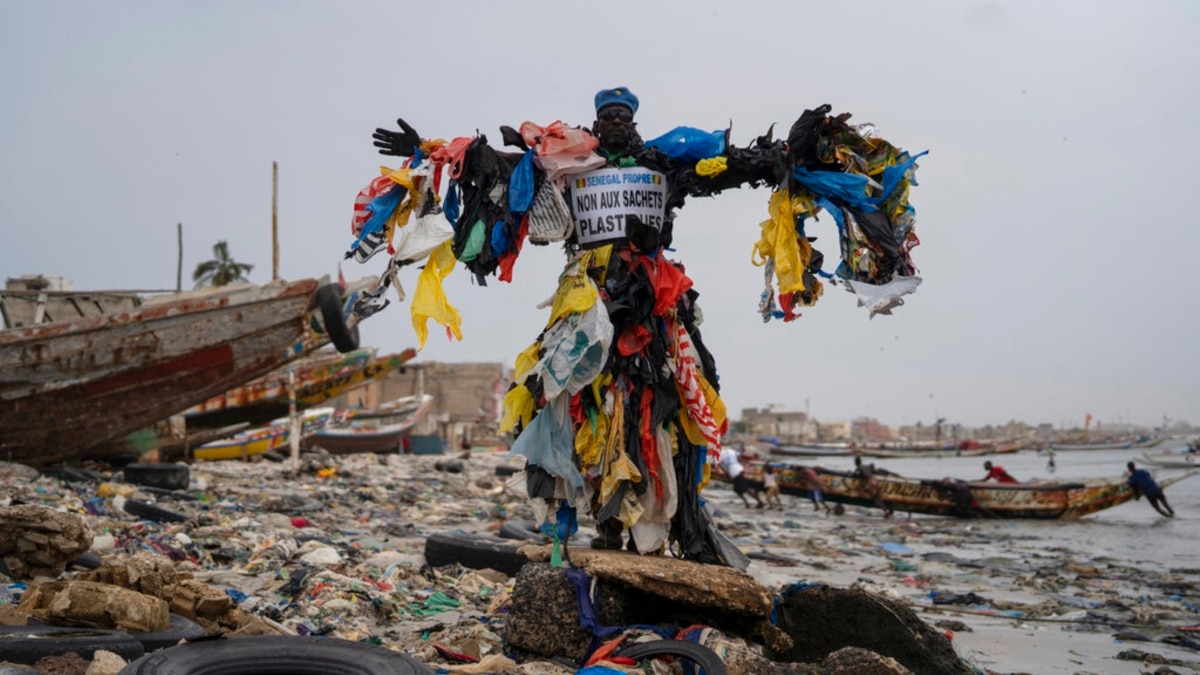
column 221, row 269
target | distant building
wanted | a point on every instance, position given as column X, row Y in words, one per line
column 467, row 397
column 787, row 426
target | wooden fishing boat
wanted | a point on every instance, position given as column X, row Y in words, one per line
column 1172, row 460
column 807, row 451
column 979, row 450
column 318, row 378
column 275, row 436
column 379, row 430
column 1108, row 445
column 67, row 387
column 1049, row 501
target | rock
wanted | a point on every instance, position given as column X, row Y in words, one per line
column 685, row 581
column 143, row 572
column 95, row 605
column 66, row 664
column 545, row 615
column 856, row 661
column 730, row 599
column 197, row 600
column 39, row 542
column 105, row 663
column 823, row 620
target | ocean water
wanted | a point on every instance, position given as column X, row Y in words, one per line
column 1132, row 533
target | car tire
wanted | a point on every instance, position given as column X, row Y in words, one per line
column 701, row 656
column 525, row 530
column 181, row 628
column 270, row 654
column 148, row 511
column 159, row 475
column 473, row 551
column 27, row 644
column 329, row 301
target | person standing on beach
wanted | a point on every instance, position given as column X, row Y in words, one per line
column 731, row 464
column 874, row 490
column 1144, row 484
column 996, row 471
column 808, row 479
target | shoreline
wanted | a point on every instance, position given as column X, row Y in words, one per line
column 370, row 520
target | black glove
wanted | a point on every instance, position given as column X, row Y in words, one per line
column 397, row 143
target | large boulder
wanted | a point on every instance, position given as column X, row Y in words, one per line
column 821, row 620
column 95, row 605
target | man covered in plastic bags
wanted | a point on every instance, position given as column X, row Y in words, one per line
column 615, row 405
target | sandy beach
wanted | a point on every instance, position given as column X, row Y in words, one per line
column 337, row 550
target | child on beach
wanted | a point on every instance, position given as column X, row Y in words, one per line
column 771, row 486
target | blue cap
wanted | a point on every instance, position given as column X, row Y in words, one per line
column 617, row 96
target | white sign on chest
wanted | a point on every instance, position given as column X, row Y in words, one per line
column 601, row 200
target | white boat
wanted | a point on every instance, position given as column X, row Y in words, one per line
column 1172, row 460
column 380, row 429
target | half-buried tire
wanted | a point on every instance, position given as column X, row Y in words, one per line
column 682, row 649
column 181, row 628
column 148, row 511
column 273, row 654
column 476, row 552
column 27, row 644
column 522, row 529
column 160, row 475
column 329, row 301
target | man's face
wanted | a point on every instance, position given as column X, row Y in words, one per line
column 614, row 126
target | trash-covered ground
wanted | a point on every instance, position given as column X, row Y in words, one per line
column 337, row 549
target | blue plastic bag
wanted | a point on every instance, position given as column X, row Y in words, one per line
column 520, row 185
column 689, row 143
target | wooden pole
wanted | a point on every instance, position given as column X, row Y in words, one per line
column 179, row 265
column 294, row 418
column 274, row 220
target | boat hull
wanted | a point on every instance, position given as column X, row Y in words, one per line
column 1172, row 460
column 1042, row 501
column 71, row 386
column 267, row 398
column 380, row 442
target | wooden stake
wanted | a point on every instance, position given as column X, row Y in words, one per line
column 274, row 220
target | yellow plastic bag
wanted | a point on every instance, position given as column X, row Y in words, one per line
column 576, row 292
column 781, row 241
column 429, row 301
column 518, row 407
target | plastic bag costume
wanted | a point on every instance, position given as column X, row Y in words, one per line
column 616, row 402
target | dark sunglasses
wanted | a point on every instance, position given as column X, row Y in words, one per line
column 610, row 114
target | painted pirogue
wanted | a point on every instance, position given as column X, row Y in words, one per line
column 1049, row 501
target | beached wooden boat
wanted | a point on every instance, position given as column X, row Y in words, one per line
column 379, row 430
column 1050, row 501
column 979, row 450
column 785, row 449
column 275, row 436
column 70, row 386
column 1172, row 460
column 1108, row 445
column 320, row 377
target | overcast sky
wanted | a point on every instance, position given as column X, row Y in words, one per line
column 1055, row 208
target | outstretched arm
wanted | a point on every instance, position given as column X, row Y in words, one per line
column 401, row 143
